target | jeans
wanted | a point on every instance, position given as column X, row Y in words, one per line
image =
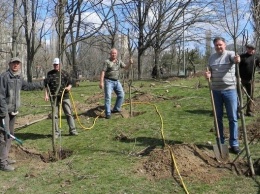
column 229, row 99
column 115, row 86
column 66, row 106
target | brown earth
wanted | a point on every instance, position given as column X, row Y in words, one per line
column 194, row 162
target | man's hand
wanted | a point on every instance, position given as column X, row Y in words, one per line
column 46, row 98
column 207, row 74
column 68, row 88
column 237, row 59
column 101, row 85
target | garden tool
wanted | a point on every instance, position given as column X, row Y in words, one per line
column 9, row 134
column 221, row 150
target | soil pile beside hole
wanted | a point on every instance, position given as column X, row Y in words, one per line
column 194, row 164
column 24, row 155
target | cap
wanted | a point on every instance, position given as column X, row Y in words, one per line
column 56, row 61
column 15, row 59
column 250, row 46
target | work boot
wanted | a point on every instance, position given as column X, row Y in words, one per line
column 74, row 132
column 10, row 161
column 115, row 111
column 235, row 149
column 7, row 168
column 250, row 114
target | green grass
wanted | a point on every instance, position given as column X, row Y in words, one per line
column 101, row 164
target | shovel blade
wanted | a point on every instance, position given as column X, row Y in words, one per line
column 223, row 155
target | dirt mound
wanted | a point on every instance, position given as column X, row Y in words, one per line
column 21, row 153
column 193, row 163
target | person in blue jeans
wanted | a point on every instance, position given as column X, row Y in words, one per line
column 222, row 68
column 109, row 81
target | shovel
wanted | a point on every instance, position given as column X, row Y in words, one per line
column 221, row 150
column 9, row 134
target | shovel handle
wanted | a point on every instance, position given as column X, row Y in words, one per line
column 215, row 117
column 12, row 136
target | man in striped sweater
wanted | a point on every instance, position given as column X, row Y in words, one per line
column 222, row 67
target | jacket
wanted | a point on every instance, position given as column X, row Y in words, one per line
column 52, row 81
column 10, row 88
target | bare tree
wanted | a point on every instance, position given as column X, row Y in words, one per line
column 34, row 22
column 74, row 16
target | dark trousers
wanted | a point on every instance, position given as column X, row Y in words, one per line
column 5, row 141
column 249, row 87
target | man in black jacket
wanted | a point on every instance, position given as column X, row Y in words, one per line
column 247, row 67
column 51, row 85
column 11, row 83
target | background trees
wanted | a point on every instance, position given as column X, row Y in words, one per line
column 163, row 33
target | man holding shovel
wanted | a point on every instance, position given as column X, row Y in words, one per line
column 222, row 65
column 11, row 83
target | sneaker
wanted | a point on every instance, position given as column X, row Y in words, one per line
column 73, row 132
column 235, row 149
column 7, row 168
column 108, row 116
column 10, row 161
column 57, row 135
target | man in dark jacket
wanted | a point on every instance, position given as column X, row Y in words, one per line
column 54, row 77
column 247, row 67
column 11, row 83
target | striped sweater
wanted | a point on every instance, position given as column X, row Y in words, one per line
column 222, row 69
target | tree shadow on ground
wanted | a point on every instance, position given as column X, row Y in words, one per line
column 149, row 142
column 94, row 112
column 200, row 111
column 32, row 136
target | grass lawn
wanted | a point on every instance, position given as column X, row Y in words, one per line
column 106, row 154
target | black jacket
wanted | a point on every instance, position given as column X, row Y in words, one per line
column 247, row 66
column 52, row 81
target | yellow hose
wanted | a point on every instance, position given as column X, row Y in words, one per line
column 162, row 133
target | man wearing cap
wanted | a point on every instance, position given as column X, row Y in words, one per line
column 52, row 82
column 247, row 67
column 11, row 83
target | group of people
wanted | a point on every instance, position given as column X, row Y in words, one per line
column 223, row 74
column 11, row 83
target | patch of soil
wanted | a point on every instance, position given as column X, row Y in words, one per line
column 21, row 153
column 146, row 97
column 29, row 119
column 193, row 163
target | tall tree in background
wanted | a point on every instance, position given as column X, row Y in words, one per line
column 33, row 12
column 15, row 30
column 256, row 19
column 73, row 16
